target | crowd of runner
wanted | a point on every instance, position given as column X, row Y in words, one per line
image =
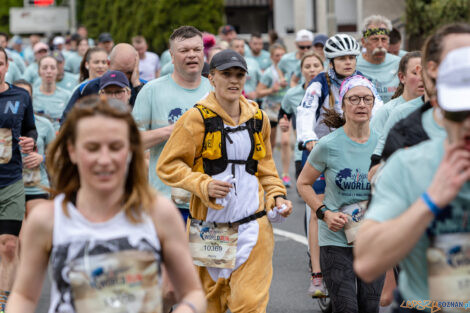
column 108, row 150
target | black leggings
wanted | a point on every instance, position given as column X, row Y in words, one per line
column 337, row 268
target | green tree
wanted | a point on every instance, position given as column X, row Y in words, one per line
column 153, row 19
column 5, row 13
column 425, row 16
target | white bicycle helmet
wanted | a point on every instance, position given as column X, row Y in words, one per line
column 341, row 44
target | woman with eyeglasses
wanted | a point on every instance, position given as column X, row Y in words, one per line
column 48, row 99
column 106, row 232
column 343, row 157
column 322, row 98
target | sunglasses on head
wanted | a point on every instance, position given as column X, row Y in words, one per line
column 458, row 116
column 304, row 47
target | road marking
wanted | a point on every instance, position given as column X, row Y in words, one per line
column 292, row 236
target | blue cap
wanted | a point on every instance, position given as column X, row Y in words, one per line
column 114, row 78
column 320, row 39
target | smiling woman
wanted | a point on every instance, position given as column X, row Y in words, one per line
column 105, row 224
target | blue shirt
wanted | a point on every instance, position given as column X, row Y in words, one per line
column 16, row 119
column 345, row 164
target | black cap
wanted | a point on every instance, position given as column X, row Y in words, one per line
column 114, row 78
column 105, row 37
column 56, row 54
column 226, row 59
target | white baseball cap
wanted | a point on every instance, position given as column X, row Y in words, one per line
column 304, row 35
column 58, row 40
column 453, row 81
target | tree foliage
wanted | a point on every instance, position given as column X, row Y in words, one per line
column 5, row 13
column 425, row 16
column 153, row 19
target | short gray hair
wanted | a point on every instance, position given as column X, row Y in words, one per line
column 376, row 20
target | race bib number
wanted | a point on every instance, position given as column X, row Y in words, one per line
column 31, row 176
column 272, row 110
column 5, row 145
column 355, row 214
column 180, row 196
column 121, row 282
column 448, row 260
column 213, row 245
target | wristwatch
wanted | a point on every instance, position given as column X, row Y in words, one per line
column 320, row 212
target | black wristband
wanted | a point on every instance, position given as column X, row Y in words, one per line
column 280, row 196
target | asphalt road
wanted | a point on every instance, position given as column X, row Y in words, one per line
column 288, row 291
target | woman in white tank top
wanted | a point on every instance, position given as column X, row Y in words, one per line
column 106, row 232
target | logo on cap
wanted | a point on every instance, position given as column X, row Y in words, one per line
column 234, row 58
column 113, row 75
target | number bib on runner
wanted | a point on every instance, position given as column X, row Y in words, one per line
column 213, row 245
column 5, row 145
column 122, row 282
column 31, row 176
column 449, row 267
column 355, row 214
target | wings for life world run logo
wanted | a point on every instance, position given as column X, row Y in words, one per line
column 175, row 114
column 347, row 179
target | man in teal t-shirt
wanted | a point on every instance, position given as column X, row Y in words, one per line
column 290, row 62
column 376, row 63
column 261, row 56
column 254, row 72
column 162, row 101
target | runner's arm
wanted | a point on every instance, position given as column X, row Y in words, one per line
column 381, row 245
column 154, row 137
column 306, row 113
column 36, row 245
column 176, row 255
column 267, row 173
column 307, row 177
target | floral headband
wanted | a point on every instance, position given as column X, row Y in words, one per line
column 354, row 81
column 375, row 31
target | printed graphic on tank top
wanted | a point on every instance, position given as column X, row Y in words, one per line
column 112, row 266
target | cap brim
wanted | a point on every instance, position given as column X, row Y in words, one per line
column 114, row 84
column 453, row 98
column 232, row 64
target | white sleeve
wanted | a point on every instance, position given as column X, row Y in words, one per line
column 306, row 113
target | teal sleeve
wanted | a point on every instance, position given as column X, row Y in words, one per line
column 286, row 104
column 266, row 79
column 142, row 111
column 50, row 133
column 319, row 156
column 391, row 196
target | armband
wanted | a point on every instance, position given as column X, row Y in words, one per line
column 430, row 204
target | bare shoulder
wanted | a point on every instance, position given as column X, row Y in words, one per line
column 39, row 225
column 165, row 215
column 43, row 214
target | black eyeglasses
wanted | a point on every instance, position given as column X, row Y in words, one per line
column 304, row 47
column 458, row 116
column 355, row 100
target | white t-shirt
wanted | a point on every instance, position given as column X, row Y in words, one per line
column 148, row 66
